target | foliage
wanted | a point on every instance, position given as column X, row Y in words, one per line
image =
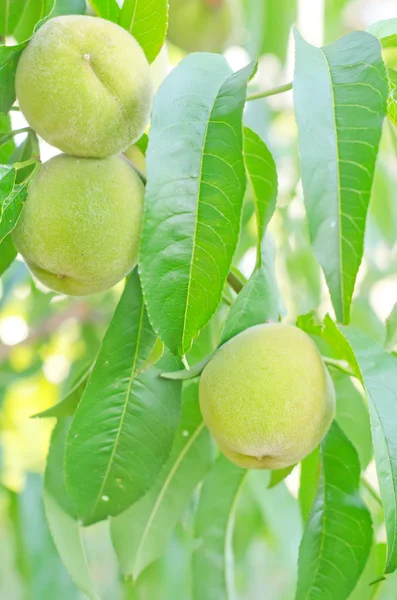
column 265, row 201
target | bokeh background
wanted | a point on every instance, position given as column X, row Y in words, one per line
column 46, row 340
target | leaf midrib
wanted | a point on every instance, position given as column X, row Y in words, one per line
column 131, row 379
column 183, row 352
column 164, row 488
column 339, row 198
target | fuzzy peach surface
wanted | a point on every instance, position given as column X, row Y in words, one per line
column 267, row 397
column 84, row 85
column 80, row 228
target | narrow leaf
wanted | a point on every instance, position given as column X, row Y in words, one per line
column 141, row 533
column 9, row 56
column 262, row 173
column 13, row 205
column 391, row 327
column 377, row 370
column 340, row 94
column 258, row 301
column 309, row 479
column 196, row 183
column 7, row 254
column 62, row 520
column 338, row 535
column 278, row 476
column 124, row 425
column 212, row 569
column 68, row 405
column 147, row 22
column 107, row 9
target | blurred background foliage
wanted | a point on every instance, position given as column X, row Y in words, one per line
column 47, row 340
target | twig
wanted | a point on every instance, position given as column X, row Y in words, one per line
column 340, row 365
column 235, row 282
column 372, row 492
column 81, row 311
column 278, row 90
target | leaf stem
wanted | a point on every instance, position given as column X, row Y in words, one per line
column 10, row 135
column 16, row 108
column 372, row 492
column 278, row 90
column 340, row 365
column 25, row 163
column 235, row 282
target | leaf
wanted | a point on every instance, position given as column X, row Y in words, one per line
column 125, row 423
column 7, row 181
column 345, row 106
column 107, row 9
column 212, row 566
column 34, row 547
column 35, row 11
column 6, row 149
column 68, row 7
column 9, row 56
column 258, row 301
column 10, row 13
column 29, row 149
column 68, row 405
column 194, row 195
column 385, row 31
column 7, row 254
column 391, row 328
column 141, row 533
column 310, row 475
column 337, row 538
column 147, row 22
column 262, row 173
column 377, row 370
column 278, row 476
column 352, row 416
column 13, row 204
column 61, row 517
column 269, row 26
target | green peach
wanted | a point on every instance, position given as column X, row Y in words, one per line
column 84, row 86
column 79, row 230
column 267, row 397
column 200, row 25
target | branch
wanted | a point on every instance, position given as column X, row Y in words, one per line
column 80, row 311
column 278, row 90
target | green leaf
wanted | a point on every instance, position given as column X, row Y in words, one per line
column 338, row 535
column 212, row 567
column 7, row 254
column 29, row 149
column 7, row 148
column 269, row 25
column 147, row 22
column 64, row 526
column 309, row 479
column 68, row 7
column 258, row 301
column 33, row 12
column 107, row 9
column 377, row 370
column 194, row 195
column 262, row 174
column 278, row 476
column 346, row 107
column 391, row 328
column 13, row 204
column 9, row 56
column 353, row 417
column 125, row 423
column 141, row 533
column 386, row 32
column 10, row 13
column 7, row 181
column 68, row 405
column 34, row 547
